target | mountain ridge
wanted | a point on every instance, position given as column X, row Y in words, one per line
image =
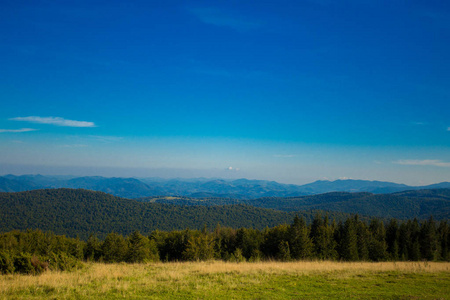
column 202, row 187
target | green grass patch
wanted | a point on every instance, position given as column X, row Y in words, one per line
column 218, row 280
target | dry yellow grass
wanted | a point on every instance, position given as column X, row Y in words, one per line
column 305, row 267
column 128, row 280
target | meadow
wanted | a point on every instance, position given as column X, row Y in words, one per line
column 226, row 280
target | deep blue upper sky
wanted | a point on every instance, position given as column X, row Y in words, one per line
column 292, row 91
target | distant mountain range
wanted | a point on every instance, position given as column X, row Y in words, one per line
column 201, row 187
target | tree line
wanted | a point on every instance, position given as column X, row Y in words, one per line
column 32, row 251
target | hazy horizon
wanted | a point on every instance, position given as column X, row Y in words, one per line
column 290, row 91
column 161, row 174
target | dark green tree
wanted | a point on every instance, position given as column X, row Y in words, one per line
column 200, row 247
column 323, row 240
column 377, row 246
column 300, row 244
column 272, row 240
column 316, row 225
column 93, row 249
column 404, row 236
column 141, row 249
column 284, row 253
column 429, row 246
column 392, row 239
column 225, row 242
column 363, row 240
column 249, row 240
column 413, row 242
column 6, row 262
column 172, row 244
column 114, row 248
column 444, row 238
column 348, row 246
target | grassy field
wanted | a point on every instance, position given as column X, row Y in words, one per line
column 221, row 280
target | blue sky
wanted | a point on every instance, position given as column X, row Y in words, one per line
column 292, row 91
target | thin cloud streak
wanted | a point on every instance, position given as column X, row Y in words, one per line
column 424, row 162
column 54, row 121
column 17, row 130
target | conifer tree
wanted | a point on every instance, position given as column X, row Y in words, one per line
column 316, row 224
column 284, row 253
column 272, row 239
column 217, row 242
column 428, row 241
column 403, row 241
column 93, row 248
column 363, row 240
column 323, row 240
column 76, row 248
column 114, row 248
column 444, row 238
column 413, row 242
column 392, row 239
column 200, row 247
column 248, row 240
column 225, row 243
column 141, row 249
column 300, row 243
column 377, row 245
column 348, row 247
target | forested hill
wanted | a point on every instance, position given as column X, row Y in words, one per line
column 419, row 204
column 81, row 212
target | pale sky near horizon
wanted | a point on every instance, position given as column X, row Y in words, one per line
column 291, row 91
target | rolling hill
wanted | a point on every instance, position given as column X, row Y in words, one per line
column 81, row 212
column 419, row 204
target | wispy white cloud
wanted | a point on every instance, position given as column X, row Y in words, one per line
column 220, row 18
column 17, row 130
column 448, row 128
column 55, row 121
column 423, row 162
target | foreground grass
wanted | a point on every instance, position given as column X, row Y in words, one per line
column 221, row 280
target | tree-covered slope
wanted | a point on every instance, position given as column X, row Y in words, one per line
column 419, row 204
column 80, row 212
column 11, row 185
